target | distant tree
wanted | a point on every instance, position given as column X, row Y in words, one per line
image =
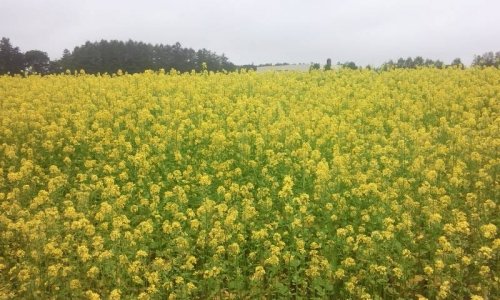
column 409, row 63
column 55, row 67
column 66, row 61
column 438, row 64
column 428, row 62
column 11, row 58
column 488, row 59
column 113, row 55
column 37, row 61
column 401, row 63
column 388, row 65
column 328, row 65
column 87, row 57
column 477, row 61
column 314, row 66
column 418, row 61
column 457, row 62
column 351, row 65
column 132, row 57
column 213, row 61
column 348, row 65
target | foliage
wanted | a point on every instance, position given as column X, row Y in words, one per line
column 11, row 58
column 410, row 63
column 348, row 65
column 111, row 56
column 328, row 65
column 457, row 62
column 37, row 62
column 134, row 57
column 488, row 59
column 310, row 185
column 315, row 66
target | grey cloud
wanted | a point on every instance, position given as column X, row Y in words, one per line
column 367, row 32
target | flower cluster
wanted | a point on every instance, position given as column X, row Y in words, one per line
column 342, row 184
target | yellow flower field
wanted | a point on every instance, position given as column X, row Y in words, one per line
column 341, row 184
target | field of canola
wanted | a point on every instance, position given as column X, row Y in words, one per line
column 340, row 185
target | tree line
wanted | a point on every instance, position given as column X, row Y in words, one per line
column 110, row 56
column 133, row 57
column 488, row 59
column 13, row 61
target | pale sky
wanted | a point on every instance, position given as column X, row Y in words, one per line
column 262, row 31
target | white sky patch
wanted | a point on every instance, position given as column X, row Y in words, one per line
column 258, row 31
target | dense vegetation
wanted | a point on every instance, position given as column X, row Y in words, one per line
column 135, row 57
column 111, row 56
column 347, row 184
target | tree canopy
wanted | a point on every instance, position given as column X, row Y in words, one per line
column 37, row 61
column 134, row 57
column 488, row 59
column 110, row 56
column 11, row 58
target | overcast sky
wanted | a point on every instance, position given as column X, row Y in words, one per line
column 261, row 31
